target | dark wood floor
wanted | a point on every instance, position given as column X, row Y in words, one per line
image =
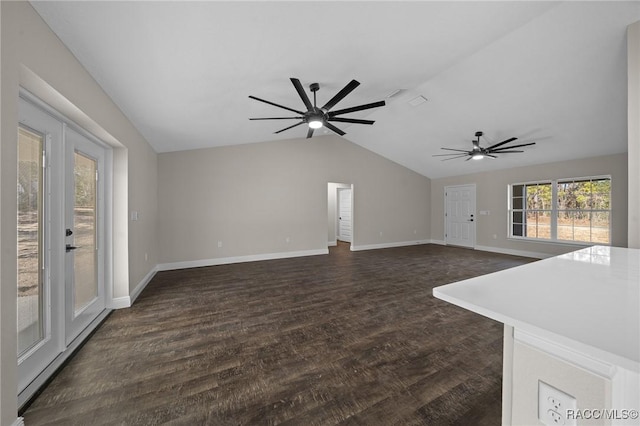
column 352, row 338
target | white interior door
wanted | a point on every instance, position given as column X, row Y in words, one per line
column 84, row 249
column 460, row 215
column 344, row 215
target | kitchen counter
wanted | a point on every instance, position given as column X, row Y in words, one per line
column 582, row 308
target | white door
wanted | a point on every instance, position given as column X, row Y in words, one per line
column 84, row 230
column 460, row 215
column 344, row 215
column 60, row 238
column 39, row 302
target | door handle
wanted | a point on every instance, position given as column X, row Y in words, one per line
column 69, row 248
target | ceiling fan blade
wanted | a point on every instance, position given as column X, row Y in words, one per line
column 279, row 106
column 290, row 127
column 502, row 143
column 511, row 147
column 341, row 94
column 277, row 118
column 504, row 152
column 356, row 108
column 452, row 149
column 351, row 120
column 490, row 156
column 310, row 132
column 453, row 158
column 335, row 129
column 302, row 93
column 446, row 155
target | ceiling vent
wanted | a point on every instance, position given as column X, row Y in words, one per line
column 394, row 93
column 417, row 101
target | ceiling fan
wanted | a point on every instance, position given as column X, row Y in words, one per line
column 316, row 117
column 478, row 152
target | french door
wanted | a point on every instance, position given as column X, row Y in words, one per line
column 84, row 230
column 60, row 237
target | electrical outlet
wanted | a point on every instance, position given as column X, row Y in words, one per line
column 219, row 244
column 556, row 418
column 553, row 405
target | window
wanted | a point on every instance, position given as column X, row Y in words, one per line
column 565, row 210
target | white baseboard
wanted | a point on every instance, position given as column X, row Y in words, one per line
column 332, row 243
column 19, row 422
column 238, row 259
column 142, row 284
column 127, row 301
column 120, row 302
column 523, row 253
column 388, row 245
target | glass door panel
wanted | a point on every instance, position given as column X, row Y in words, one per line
column 39, row 205
column 30, row 240
column 85, row 264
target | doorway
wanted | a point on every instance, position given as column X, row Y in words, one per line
column 460, row 215
column 340, row 213
column 61, row 236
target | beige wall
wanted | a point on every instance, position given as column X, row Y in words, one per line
column 33, row 57
column 253, row 197
column 491, row 195
column 633, row 62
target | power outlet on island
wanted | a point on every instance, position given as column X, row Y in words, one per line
column 553, row 405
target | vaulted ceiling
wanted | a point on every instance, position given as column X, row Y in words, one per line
column 549, row 72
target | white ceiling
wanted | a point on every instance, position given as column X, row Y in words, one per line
column 549, row 72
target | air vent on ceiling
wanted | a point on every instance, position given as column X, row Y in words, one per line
column 417, row 101
column 394, row 93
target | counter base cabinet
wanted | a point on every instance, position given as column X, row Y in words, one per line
column 601, row 390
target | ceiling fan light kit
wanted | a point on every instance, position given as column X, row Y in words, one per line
column 315, row 117
column 478, row 152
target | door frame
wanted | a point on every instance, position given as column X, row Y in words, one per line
column 332, row 212
column 446, row 219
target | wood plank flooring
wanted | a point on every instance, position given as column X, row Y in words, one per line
column 352, row 338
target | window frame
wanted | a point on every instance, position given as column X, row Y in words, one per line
column 554, row 210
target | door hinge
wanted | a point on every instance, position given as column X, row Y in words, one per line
column 96, row 175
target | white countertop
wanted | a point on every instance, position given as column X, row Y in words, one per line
column 587, row 300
